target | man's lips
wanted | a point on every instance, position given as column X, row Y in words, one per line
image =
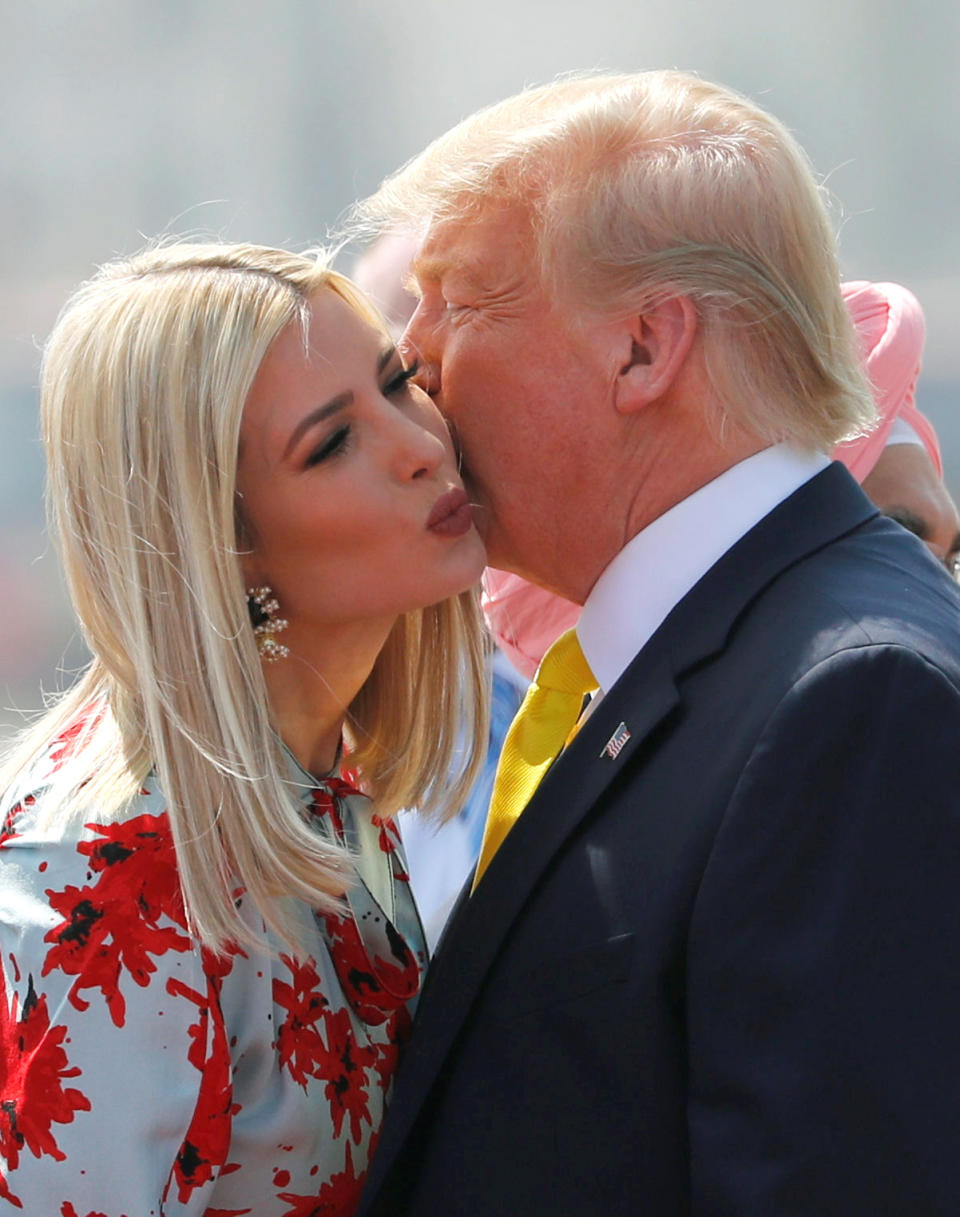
column 451, row 515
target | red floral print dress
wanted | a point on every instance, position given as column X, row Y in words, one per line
column 142, row 1076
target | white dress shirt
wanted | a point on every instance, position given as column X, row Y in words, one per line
column 656, row 569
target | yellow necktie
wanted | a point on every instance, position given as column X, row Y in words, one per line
column 545, row 719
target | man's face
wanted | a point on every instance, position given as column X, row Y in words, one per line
column 906, row 486
column 522, row 386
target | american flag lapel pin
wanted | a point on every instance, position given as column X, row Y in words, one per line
column 615, row 744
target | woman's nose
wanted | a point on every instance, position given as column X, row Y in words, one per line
column 418, row 452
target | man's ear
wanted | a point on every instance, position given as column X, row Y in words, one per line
column 656, row 344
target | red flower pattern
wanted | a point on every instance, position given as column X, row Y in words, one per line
column 387, row 1053
column 324, row 805
column 123, row 922
column 66, row 743
column 375, row 967
column 299, row 1042
column 206, row 1145
column 345, row 1067
column 338, row 1197
column 373, row 984
column 33, row 1067
column 113, row 925
column 390, row 842
column 334, row 1056
column 8, row 832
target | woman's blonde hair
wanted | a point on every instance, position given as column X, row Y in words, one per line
column 641, row 186
column 144, row 382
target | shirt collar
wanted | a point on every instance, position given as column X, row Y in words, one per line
column 656, row 569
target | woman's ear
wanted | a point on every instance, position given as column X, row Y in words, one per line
column 246, row 550
column 656, row 345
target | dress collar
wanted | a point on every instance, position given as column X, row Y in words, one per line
column 303, row 783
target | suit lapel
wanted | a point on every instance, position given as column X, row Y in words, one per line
column 479, row 923
column 642, row 700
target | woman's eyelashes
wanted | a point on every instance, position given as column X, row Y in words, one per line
column 334, row 445
column 338, row 441
column 398, row 382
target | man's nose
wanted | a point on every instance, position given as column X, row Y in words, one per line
column 418, row 343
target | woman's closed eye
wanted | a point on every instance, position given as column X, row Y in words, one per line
column 338, row 442
column 335, row 444
column 398, row 382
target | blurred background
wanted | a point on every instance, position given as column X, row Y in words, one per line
column 263, row 121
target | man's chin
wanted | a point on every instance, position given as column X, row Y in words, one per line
column 481, row 513
column 500, row 553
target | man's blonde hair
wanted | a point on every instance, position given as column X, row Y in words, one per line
column 643, row 186
column 144, row 381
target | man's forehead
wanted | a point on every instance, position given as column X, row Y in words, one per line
column 473, row 250
column 446, row 253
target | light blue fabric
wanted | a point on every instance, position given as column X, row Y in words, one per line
column 440, row 857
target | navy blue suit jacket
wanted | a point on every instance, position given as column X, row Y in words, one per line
column 719, row 974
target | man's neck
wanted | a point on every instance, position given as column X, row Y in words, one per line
column 665, row 560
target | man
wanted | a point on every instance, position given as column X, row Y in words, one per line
column 897, row 463
column 906, row 485
column 710, row 968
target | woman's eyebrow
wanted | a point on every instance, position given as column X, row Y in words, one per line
column 317, row 416
column 334, row 404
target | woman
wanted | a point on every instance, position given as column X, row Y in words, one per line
column 210, row 953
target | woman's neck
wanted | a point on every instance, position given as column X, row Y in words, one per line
column 311, row 696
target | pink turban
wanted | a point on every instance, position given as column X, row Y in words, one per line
column 525, row 619
column 891, row 328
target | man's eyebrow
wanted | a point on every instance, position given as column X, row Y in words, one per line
column 410, row 283
column 425, row 269
column 334, row 405
column 432, row 270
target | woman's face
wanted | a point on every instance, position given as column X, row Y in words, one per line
column 348, row 482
